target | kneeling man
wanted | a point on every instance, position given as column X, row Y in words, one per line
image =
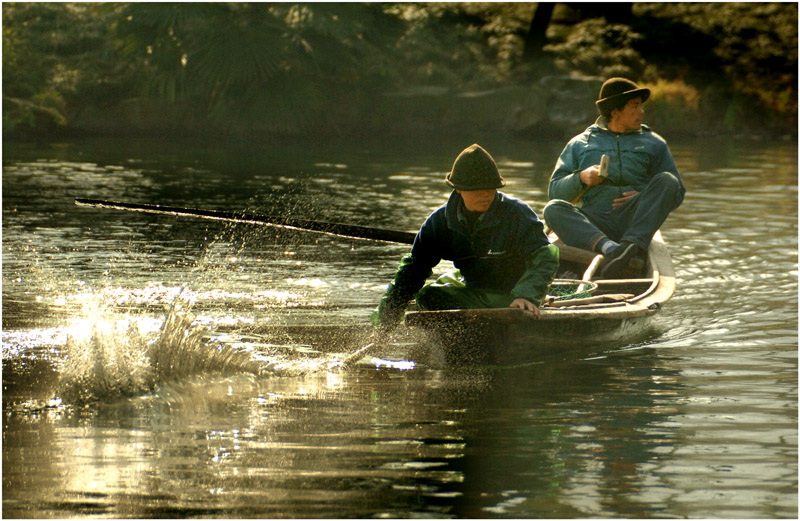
column 496, row 243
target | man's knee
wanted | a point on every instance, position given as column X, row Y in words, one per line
column 432, row 297
column 666, row 182
column 422, row 297
column 667, row 186
column 555, row 208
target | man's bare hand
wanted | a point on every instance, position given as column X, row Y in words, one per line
column 626, row 196
column 527, row 305
column 591, row 176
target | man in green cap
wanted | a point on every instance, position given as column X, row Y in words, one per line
column 496, row 243
column 617, row 214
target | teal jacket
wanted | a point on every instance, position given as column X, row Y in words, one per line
column 634, row 158
column 506, row 250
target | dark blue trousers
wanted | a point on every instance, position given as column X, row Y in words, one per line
column 635, row 221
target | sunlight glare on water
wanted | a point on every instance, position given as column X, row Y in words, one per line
column 164, row 367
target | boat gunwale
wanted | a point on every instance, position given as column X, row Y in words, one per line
column 661, row 288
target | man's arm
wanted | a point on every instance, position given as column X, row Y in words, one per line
column 411, row 274
column 565, row 182
column 408, row 279
column 540, row 270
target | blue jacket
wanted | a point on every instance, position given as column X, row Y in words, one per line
column 505, row 250
column 634, row 158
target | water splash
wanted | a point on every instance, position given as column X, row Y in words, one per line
column 108, row 362
column 113, row 339
column 109, row 355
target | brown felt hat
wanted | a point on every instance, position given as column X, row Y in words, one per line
column 616, row 92
column 474, row 169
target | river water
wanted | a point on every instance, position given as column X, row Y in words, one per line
column 111, row 410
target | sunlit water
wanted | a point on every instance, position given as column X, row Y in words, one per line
column 161, row 367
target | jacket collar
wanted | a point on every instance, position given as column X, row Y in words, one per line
column 602, row 124
column 457, row 220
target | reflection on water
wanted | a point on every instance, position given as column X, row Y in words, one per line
column 157, row 367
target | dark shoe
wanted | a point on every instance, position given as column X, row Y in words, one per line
column 626, row 261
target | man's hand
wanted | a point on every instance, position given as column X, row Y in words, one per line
column 626, row 196
column 591, row 176
column 527, row 305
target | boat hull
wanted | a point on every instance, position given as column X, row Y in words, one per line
column 618, row 314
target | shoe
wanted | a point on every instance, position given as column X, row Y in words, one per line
column 626, row 261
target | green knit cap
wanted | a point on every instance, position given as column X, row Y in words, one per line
column 474, row 169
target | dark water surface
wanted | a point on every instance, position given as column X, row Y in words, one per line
column 247, row 415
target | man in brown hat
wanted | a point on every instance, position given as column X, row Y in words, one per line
column 616, row 214
column 496, row 243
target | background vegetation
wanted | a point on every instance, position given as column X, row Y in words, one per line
column 355, row 69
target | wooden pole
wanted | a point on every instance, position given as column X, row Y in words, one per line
column 361, row 353
column 341, row 230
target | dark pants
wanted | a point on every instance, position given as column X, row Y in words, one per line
column 635, row 221
column 450, row 292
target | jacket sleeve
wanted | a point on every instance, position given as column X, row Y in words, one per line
column 664, row 162
column 540, row 270
column 565, row 182
column 410, row 276
column 408, row 279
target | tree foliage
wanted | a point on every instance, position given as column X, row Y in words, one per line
column 311, row 67
column 596, row 48
column 54, row 54
column 270, row 66
column 753, row 45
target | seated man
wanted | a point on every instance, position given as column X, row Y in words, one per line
column 496, row 243
column 615, row 215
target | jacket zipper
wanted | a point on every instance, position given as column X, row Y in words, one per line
column 619, row 160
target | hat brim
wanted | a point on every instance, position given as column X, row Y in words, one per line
column 469, row 188
column 636, row 93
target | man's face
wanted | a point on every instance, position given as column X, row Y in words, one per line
column 630, row 117
column 478, row 200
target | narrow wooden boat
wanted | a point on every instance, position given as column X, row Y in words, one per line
column 618, row 311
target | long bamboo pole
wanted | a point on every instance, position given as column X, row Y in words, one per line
column 341, row 230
